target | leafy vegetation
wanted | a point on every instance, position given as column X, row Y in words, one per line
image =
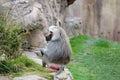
column 94, row 59
column 10, row 41
column 14, row 63
column 21, row 66
column 10, row 44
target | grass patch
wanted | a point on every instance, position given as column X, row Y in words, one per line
column 10, row 41
column 21, row 66
column 94, row 59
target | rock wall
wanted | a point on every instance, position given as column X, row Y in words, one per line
column 99, row 17
column 35, row 16
column 30, row 15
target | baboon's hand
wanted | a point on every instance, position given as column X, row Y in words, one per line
column 42, row 52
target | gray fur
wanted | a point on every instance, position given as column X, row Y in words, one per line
column 58, row 51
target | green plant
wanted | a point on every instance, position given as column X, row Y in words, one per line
column 10, row 41
column 4, row 67
column 25, row 65
column 22, row 65
column 10, row 45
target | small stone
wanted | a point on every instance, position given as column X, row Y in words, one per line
column 61, row 76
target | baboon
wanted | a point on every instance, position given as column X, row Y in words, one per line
column 58, row 49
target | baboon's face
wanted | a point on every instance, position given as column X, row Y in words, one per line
column 54, row 33
column 49, row 36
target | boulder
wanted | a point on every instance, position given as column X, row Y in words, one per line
column 73, row 26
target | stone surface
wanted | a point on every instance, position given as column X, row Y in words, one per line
column 73, row 26
column 29, row 77
column 5, row 78
column 35, row 16
column 100, row 18
column 65, row 75
column 33, row 56
column 30, row 15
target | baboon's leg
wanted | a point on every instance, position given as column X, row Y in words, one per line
column 61, row 68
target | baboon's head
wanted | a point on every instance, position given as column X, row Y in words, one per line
column 54, row 33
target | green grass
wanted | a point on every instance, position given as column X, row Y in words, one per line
column 94, row 59
column 10, row 41
column 22, row 65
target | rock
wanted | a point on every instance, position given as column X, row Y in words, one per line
column 30, row 15
column 96, row 16
column 65, row 75
column 99, row 18
column 33, row 56
column 73, row 26
column 36, row 38
column 5, row 78
column 35, row 16
column 61, row 76
column 29, row 77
